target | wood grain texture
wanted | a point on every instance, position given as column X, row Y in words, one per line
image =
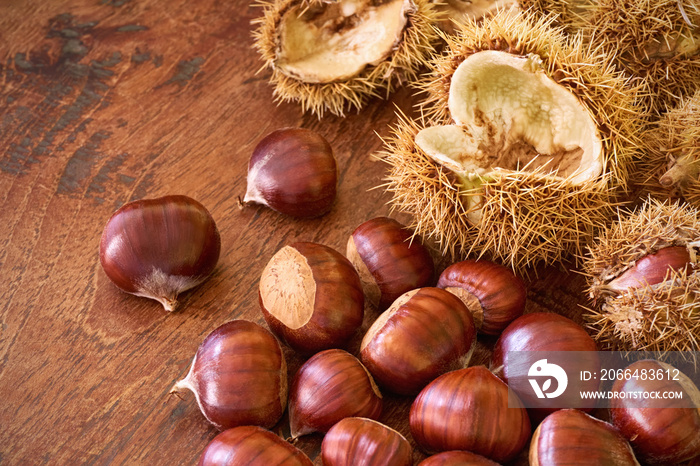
column 107, row 101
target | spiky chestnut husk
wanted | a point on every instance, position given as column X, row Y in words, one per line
column 671, row 163
column 661, row 317
column 456, row 11
column 655, row 40
column 414, row 47
column 527, row 218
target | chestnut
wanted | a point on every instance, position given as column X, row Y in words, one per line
column 389, row 259
column 293, row 171
column 238, row 376
column 661, row 431
column 158, row 248
column 330, row 386
column 550, row 333
column 572, row 437
column 252, row 446
column 425, row 333
column 651, row 269
column 493, row 293
column 470, row 409
column 457, row 458
column 311, row 297
column 357, row 441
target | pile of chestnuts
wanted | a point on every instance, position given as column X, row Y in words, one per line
column 313, row 299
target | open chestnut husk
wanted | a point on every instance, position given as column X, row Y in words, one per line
column 293, row 171
column 331, row 386
column 311, row 297
column 238, row 376
column 425, row 333
column 470, row 409
column 389, row 259
column 571, row 437
column 357, row 441
column 457, row 458
column 667, row 432
column 493, row 293
column 515, row 355
column 159, row 248
column 252, row 446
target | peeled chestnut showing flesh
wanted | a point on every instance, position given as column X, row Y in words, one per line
column 293, row 171
column 311, row 297
column 389, row 259
column 549, row 333
column 238, row 376
column 571, row 437
column 457, row 458
column 493, row 293
column 251, row 446
column 661, row 431
column 158, row 248
column 425, row 333
column 357, row 441
column 470, row 409
column 331, row 386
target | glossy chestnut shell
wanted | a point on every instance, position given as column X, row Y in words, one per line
column 158, row 248
column 293, row 171
column 238, row 376
column 331, row 386
column 572, row 437
column 389, row 259
column 311, row 297
column 457, row 458
column 492, row 292
column 356, row 441
column 252, row 446
column 425, row 333
column 470, row 409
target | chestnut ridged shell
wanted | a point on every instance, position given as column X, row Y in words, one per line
column 238, row 376
column 158, row 248
column 356, row 441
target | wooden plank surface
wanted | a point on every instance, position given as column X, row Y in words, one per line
column 107, row 101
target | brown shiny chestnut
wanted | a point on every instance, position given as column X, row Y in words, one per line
column 293, row 171
column 311, row 297
column 238, row 376
column 493, row 293
column 357, row 441
column 159, row 248
column 470, row 409
column 572, row 437
column 331, row 386
column 457, row 458
column 425, row 333
column 251, row 446
column 661, row 431
column 389, row 259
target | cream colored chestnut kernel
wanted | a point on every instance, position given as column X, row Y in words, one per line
column 288, row 288
column 369, row 284
column 510, row 115
column 385, row 316
column 323, row 43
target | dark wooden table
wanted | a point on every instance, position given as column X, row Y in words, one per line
column 108, row 101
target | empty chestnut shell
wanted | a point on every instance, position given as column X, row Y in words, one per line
column 357, row 441
column 238, row 376
column 425, row 333
column 389, row 259
column 251, row 446
column 158, row 248
column 470, row 409
column 493, row 293
column 311, row 297
column 294, row 172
